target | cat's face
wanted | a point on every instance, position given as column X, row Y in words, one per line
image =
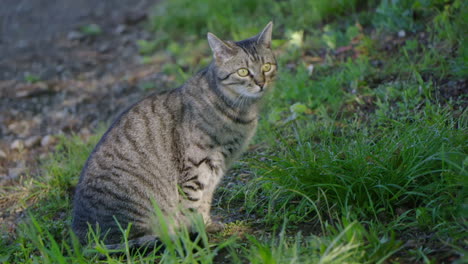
column 246, row 68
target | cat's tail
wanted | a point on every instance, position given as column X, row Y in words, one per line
column 141, row 245
column 147, row 243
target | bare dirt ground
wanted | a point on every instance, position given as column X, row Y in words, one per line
column 55, row 78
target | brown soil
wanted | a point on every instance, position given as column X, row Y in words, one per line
column 55, row 79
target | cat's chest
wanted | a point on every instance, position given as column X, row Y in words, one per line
column 228, row 133
column 233, row 144
column 220, row 143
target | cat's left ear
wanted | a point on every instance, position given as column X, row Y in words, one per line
column 264, row 38
column 221, row 50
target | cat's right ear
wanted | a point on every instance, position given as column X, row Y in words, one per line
column 221, row 50
column 264, row 37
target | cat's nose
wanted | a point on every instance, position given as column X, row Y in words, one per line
column 260, row 83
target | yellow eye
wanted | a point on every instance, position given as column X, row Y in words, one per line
column 243, row 72
column 266, row 67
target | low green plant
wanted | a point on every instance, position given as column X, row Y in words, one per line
column 91, row 30
column 146, row 47
column 31, row 78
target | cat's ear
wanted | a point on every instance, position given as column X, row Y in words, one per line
column 264, row 38
column 221, row 50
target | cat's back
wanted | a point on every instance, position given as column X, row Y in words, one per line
column 130, row 166
column 136, row 132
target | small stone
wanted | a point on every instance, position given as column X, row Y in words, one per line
column 59, row 68
column 18, row 144
column 104, row 48
column 20, row 127
column 32, row 141
column 14, row 173
column 12, row 126
column 47, row 140
column 2, row 154
column 120, row 29
column 37, row 120
column 30, row 90
column 59, row 115
column 401, row 34
column 75, row 35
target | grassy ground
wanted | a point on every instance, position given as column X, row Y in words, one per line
column 360, row 156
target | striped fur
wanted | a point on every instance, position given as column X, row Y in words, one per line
column 173, row 148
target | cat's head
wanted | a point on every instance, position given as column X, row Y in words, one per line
column 244, row 68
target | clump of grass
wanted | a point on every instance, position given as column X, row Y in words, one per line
column 371, row 171
column 344, row 244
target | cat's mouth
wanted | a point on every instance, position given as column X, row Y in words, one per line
column 254, row 91
column 260, row 88
column 257, row 91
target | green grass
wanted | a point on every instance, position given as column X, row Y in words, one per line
column 358, row 159
column 235, row 18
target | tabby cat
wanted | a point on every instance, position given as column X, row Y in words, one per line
column 173, row 148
